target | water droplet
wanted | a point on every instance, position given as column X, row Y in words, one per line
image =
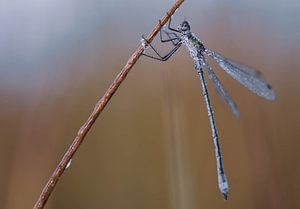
column 69, row 164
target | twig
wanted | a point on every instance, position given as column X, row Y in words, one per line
column 40, row 203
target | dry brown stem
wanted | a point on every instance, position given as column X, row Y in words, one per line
column 84, row 129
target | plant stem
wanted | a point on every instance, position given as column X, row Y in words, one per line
column 100, row 105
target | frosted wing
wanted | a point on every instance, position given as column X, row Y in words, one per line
column 245, row 75
column 220, row 89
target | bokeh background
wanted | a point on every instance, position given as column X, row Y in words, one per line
column 151, row 147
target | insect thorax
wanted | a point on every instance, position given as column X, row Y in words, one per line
column 194, row 45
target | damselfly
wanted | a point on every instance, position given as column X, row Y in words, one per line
column 248, row 77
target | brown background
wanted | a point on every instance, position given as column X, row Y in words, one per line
column 151, row 148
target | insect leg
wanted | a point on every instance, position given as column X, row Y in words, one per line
column 177, row 38
column 160, row 57
column 173, row 40
column 170, row 28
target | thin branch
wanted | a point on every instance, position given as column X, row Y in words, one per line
column 45, row 194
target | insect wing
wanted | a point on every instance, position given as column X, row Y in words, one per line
column 220, row 89
column 245, row 75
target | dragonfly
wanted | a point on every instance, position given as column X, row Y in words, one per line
column 248, row 77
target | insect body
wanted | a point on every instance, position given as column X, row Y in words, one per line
column 248, row 77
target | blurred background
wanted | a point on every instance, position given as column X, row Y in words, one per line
column 151, row 147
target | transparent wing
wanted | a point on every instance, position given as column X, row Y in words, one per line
column 246, row 76
column 220, row 89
